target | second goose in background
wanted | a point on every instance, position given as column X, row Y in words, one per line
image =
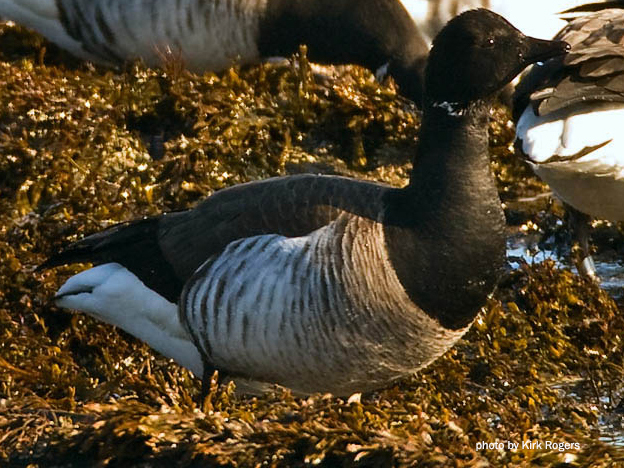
column 570, row 123
column 213, row 34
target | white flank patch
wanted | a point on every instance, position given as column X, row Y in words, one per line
column 592, row 183
column 114, row 295
column 567, row 132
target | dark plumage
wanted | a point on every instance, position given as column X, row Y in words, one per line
column 324, row 283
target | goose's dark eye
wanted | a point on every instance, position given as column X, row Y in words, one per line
column 489, row 43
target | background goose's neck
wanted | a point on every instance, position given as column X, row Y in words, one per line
column 448, row 223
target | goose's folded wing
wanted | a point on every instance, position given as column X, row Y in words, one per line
column 289, row 206
column 164, row 251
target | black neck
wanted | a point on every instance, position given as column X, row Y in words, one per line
column 452, row 152
column 370, row 33
column 448, row 223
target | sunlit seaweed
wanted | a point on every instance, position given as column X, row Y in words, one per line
column 82, row 148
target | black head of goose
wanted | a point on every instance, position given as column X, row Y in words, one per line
column 212, row 34
column 570, row 115
column 324, row 283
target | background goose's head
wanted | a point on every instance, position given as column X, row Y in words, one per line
column 476, row 54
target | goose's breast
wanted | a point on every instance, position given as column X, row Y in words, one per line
column 324, row 312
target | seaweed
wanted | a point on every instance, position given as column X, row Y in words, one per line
column 82, row 148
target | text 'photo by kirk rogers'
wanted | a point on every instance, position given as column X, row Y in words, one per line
column 528, row 445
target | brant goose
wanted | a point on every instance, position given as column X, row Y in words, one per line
column 570, row 116
column 325, row 283
column 211, row 34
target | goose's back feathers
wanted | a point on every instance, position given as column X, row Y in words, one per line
column 592, row 71
column 214, row 34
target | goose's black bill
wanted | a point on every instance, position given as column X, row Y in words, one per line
column 540, row 50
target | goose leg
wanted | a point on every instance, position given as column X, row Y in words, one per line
column 579, row 222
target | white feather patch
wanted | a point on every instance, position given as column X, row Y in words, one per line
column 116, row 296
column 559, row 148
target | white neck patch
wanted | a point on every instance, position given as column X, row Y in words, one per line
column 451, row 108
